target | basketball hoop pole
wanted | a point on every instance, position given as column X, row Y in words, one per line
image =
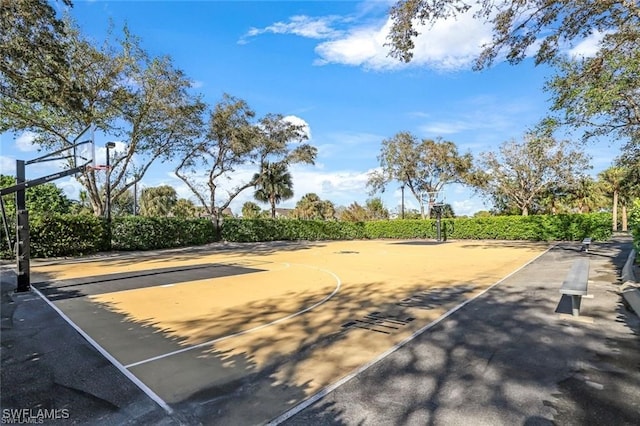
column 22, row 232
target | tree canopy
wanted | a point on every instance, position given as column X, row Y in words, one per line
column 424, row 166
column 520, row 173
column 122, row 91
column 596, row 94
column 312, row 207
column 40, row 199
column 520, row 27
column 158, row 201
column 373, row 209
column 234, row 139
column 34, row 61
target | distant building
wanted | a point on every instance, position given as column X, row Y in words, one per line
column 283, row 213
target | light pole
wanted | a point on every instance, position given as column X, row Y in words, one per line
column 402, row 206
column 135, row 194
column 109, row 145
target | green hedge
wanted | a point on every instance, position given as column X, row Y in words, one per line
column 72, row 235
column 66, row 235
column 634, row 224
column 150, row 233
column 75, row 235
column 248, row 230
column 537, row 228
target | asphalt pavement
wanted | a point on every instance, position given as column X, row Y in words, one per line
column 512, row 356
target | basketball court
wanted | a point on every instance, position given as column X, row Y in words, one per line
column 259, row 328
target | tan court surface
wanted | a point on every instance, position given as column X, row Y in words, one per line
column 316, row 311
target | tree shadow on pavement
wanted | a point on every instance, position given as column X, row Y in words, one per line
column 503, row 359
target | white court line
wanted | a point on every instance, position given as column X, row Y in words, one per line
column 144, row 388
column 327, row 390
column 251, row 330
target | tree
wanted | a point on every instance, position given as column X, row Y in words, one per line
column 251, row 210
column 82, row 205
column 375, row 209
column 40, row 199
column 596, row 93
column 353, row 213
column 482, row 213
column 422, row 166
column 33, row 52
column 281, row 141
column 157, row 201
column 122, row 204
column 519, row 26
column 230, row 141
column 184, row 208
column 586, row 195
column 520, row 173
column 630, row 191
column 613, row 181
column 312, row 207
column 273, row 185
column 233, row 140
column 122, row 92
column 446, row 210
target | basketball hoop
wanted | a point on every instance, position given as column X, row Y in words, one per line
column 98, row 167
column 434, row 199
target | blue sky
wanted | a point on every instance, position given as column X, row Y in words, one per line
column 325, row 63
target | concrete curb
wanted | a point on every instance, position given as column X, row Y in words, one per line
column 630, row 287
column 627, row 270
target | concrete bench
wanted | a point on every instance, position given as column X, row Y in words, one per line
column 575, row 285
column 586, row 243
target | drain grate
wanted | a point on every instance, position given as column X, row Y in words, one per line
column 379, row 323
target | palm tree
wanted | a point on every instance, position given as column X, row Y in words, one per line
column 586, row 195
column 251, row 210
column 312, row 207
column 157, row 201
column 612, row 179
column 273, row 184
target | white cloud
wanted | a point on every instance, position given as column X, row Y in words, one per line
column 71, row 187
column 7, row 165
column 467, row 207
column 589, row 46
column 24, row 142
column 447, row 45
column 488, row 114
column 297, row 121
column 300, row 25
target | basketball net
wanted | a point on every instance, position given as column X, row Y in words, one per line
column 98, row 167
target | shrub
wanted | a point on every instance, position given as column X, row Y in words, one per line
column 150, row 233
column 634, row 224
column 66, row 235
column 72, row 235
column 537, row 228
column 247, row 230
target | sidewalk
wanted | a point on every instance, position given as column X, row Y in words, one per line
column 49, row 370
column 508, row 358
